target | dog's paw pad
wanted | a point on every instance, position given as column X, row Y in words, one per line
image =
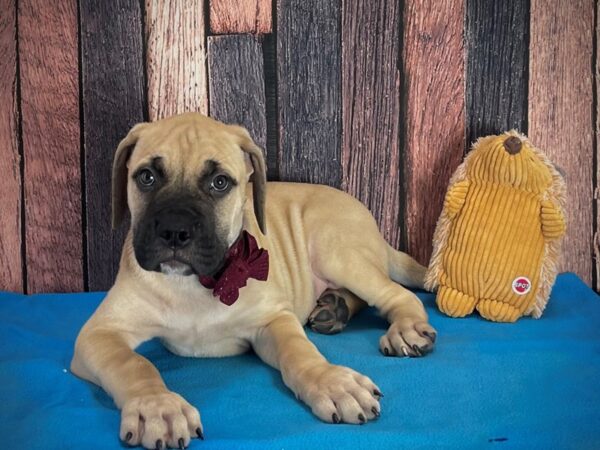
column 331, row 314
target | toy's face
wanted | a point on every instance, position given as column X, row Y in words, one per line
column 506, row 159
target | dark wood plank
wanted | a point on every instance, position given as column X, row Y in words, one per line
column 371, row 108
column 50, row 109
column 270, row 68
column 176, row 57
column 497, row 40
column 597, row 160
column 236, row 83
column 434, row 101
column 233, row 16
column 11, row 276
column 113, row 101
column 560, row 112
column 309, row 87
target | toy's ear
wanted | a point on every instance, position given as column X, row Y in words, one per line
column 258, row 176
column 119, row 174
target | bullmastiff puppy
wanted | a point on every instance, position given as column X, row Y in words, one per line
column 217, row 261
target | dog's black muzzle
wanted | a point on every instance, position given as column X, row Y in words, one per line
column 178, row 238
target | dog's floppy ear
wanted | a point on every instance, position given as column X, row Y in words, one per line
column 119, row 174
column 258, row 177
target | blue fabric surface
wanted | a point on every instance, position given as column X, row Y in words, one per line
column 533, row 384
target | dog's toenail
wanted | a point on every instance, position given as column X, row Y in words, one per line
column 361, row 418
column 377, row 393
column 200, row 433
column 375, row 412
column 159, row 444
column 128, row 436
column 386, row 352
column 416, row 349
column 181, row 443
column 335, row 418
column 404, row 351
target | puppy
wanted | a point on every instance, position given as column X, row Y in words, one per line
column 218, row 261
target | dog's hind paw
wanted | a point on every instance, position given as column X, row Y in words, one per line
column 331, row 314
column 408, row 338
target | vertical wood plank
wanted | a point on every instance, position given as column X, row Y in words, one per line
column 113, row 101
column 560, row 112
column 11, row 276
column 176, row 55
column 236, row 83
column 309, row 87
column 233, row 16
column 50, row 118
column 497, row 40
column 434, row 101
column 371, row 108
column 596, row 139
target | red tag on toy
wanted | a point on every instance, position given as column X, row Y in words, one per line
column 521, row 285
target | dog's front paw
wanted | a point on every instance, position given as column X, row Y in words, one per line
column 339, row 394
column 408, row 338
column 160, row 420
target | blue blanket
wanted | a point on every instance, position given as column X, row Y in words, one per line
column 533, row 384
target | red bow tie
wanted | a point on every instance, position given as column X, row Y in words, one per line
column 243, row 260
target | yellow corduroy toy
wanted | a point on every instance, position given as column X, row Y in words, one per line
column 497, row 241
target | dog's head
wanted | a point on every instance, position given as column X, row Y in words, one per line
column 184, row 180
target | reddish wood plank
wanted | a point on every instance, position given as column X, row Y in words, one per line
column 175, row 57
column 434, row 99
column 233, row 16
column 50, row 110
column 371, row 108
column 11, row 276
column 237, row 85
column 560, row 112
column 113, row 101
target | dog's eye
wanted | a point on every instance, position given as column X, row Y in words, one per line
column 220, row 183
column 145, row 179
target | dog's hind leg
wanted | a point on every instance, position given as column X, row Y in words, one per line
column 366, row 273
column 334, row 309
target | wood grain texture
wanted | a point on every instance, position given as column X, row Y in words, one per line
column 176, row 55
column 236, row 83
column 113, row 101
column 309, row 86
column 560, row 112
column 596, row 254
column 371, row 108
column 434, row 101
column 234, row 16
column 497, row 40
column 11, row 276
column 50, row 116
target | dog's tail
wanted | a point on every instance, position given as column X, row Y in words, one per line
column 405, row 270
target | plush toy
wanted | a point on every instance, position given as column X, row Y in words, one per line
column 497, row 242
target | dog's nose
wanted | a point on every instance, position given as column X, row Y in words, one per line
column 175, row 230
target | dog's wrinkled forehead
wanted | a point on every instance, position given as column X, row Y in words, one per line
column 186, row 144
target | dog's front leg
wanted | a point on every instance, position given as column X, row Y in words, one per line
column 151, row 415
column 334, row 393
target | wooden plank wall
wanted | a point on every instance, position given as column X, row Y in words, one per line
column 113, row 101
column 560, row 112
column 11, row 263
column 380, row 98
column 49, row 75
column 434, row 101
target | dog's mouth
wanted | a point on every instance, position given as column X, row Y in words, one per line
column 174, row 266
